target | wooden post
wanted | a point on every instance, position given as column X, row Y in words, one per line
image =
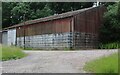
column 24, row 30
column 71, row 35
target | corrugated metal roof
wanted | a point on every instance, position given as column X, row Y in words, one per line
column 63, row 15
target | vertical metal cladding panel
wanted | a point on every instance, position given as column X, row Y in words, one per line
column 48, row 28
column 94, row 20
column 4, row 38
column 30, row 30
column 89, row 21
column 18, row 31
column 55, row 26
column 45, row 28
column 26, row 31
column 58, row 27
column 12, row 36
column 79, row 22
column 87, row 25
column 87, row 29
column 42, row 28
column 66, row 25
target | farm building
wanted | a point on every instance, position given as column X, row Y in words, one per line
column 76, row 29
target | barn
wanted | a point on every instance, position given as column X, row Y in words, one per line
column 72, row 30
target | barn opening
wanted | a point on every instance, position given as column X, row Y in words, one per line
column 73, row 30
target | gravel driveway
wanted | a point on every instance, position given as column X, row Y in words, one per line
column 53, row 61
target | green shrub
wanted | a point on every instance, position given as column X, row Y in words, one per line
column 110, row 30
column 66, row 49
column 114, row 45
column 11, row 52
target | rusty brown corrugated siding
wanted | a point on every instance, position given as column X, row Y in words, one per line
column 88, row 23
column 55, row 26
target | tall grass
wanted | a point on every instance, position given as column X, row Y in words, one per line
column 108, row 64
column 11, row 52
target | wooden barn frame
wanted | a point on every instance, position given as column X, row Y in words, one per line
column 74, row 30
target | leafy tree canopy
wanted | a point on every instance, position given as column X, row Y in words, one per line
column 16, row 12
column 110, row 30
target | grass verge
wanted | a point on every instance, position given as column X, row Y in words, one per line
column 11, row 52
column 108, row 64
column 114, row 45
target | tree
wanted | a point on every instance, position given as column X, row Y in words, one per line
column 15, row 12
column 110, row 30
column 6, row 13
column 0, row 14
column 61, row 7
column 20, row 11
column 39, row 13
column 119, row 10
